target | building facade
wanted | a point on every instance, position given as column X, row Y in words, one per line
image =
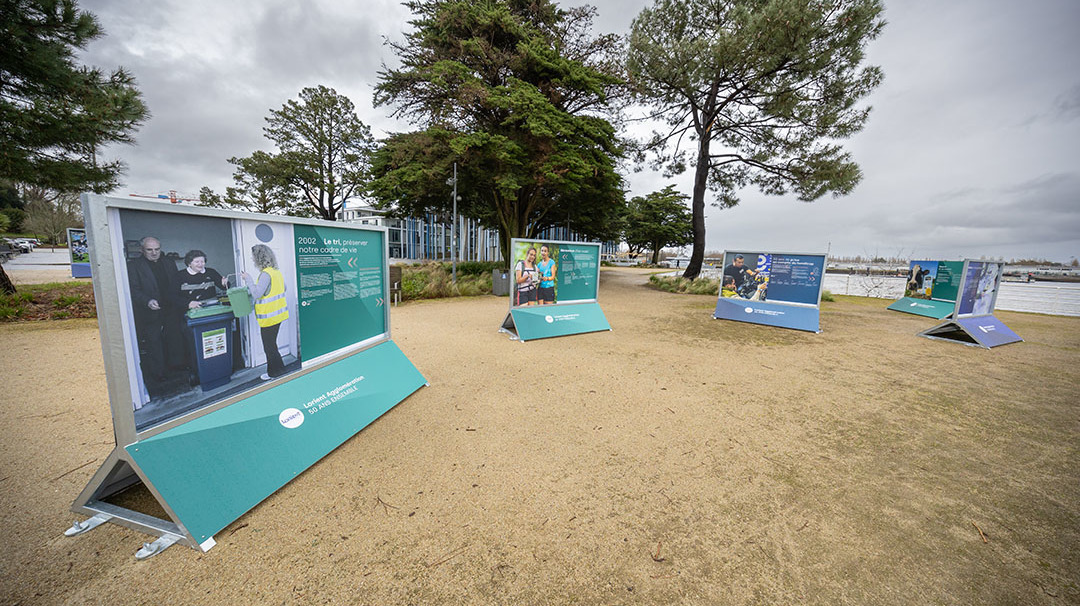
column 430, row 238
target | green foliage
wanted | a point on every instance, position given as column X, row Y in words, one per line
column 8, row 312
column 5, row 222
column 325, row 148
column 262, row 186
column 66, row 300
column 16, row 218
column 681, row 285
column 764, row 88
column 659, row 219
column 55, row 114
column 827, row 296
column 476, row 268
column 9, row 196
column 518, row 95
column 434, row 281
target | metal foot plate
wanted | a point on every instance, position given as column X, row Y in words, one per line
column 158, row 546
column 81, row 527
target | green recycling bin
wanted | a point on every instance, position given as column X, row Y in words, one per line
column 239, row 300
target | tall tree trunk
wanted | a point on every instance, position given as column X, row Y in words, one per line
column 6, row 286
column 701, row 176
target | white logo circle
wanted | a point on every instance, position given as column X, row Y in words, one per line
column 291, row 418
column 749, row 310
column 549, row 319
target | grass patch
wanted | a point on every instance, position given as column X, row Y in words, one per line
column 683, row 286
column 53, row 301
column 434, row 280
column 827, row 296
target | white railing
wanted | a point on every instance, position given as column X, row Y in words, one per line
column 1060, row 299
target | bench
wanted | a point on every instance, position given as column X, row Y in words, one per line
column 395, row 283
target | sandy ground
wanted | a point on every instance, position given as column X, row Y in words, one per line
column 675, row 460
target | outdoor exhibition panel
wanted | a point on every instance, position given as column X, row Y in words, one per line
column 774, row 289
column 931, row 288
column 554, row 288
column 79, row 252
column 239, row 350
column 972, row 321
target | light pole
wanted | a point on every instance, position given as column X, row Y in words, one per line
column 453, row 230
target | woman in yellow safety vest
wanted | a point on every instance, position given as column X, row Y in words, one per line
column 270, row 306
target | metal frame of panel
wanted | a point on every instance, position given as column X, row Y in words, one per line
column 119, row 471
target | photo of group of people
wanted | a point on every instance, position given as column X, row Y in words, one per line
column 535, row 274
column 210, row 302
column 979, row 292
column 744, row 281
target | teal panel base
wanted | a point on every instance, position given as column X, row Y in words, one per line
column 545, row 321
column 924, row 307
column 213, row 469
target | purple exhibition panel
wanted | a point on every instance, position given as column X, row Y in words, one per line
column 989, row 331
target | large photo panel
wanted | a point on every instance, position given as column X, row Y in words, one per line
column 920, row 279
column 214, row 306
column 978, row 291
column 775, row 289
column 547, row 272
column 239, row 349
column 777, row 277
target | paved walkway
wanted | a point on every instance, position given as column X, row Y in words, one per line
column 40, row 266
column 42, row 258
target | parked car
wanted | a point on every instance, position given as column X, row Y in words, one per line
column 10, row 247
column 26, row 244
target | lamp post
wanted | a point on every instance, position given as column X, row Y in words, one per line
column 453, row 229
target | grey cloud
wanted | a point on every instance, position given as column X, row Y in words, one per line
column 1067, row 105
column 301, row 41
column 954, row 164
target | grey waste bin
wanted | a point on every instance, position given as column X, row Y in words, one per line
column 500, row 282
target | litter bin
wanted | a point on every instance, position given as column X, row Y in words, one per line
column 500, row 282
column 211, row 332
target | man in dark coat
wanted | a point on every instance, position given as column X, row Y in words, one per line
column 150, row 300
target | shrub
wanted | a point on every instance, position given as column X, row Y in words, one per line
column 680, row 285
column 827, row 296
column 478, row 268
column 434, row 280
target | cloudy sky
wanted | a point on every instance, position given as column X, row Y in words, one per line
column 972, row 148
